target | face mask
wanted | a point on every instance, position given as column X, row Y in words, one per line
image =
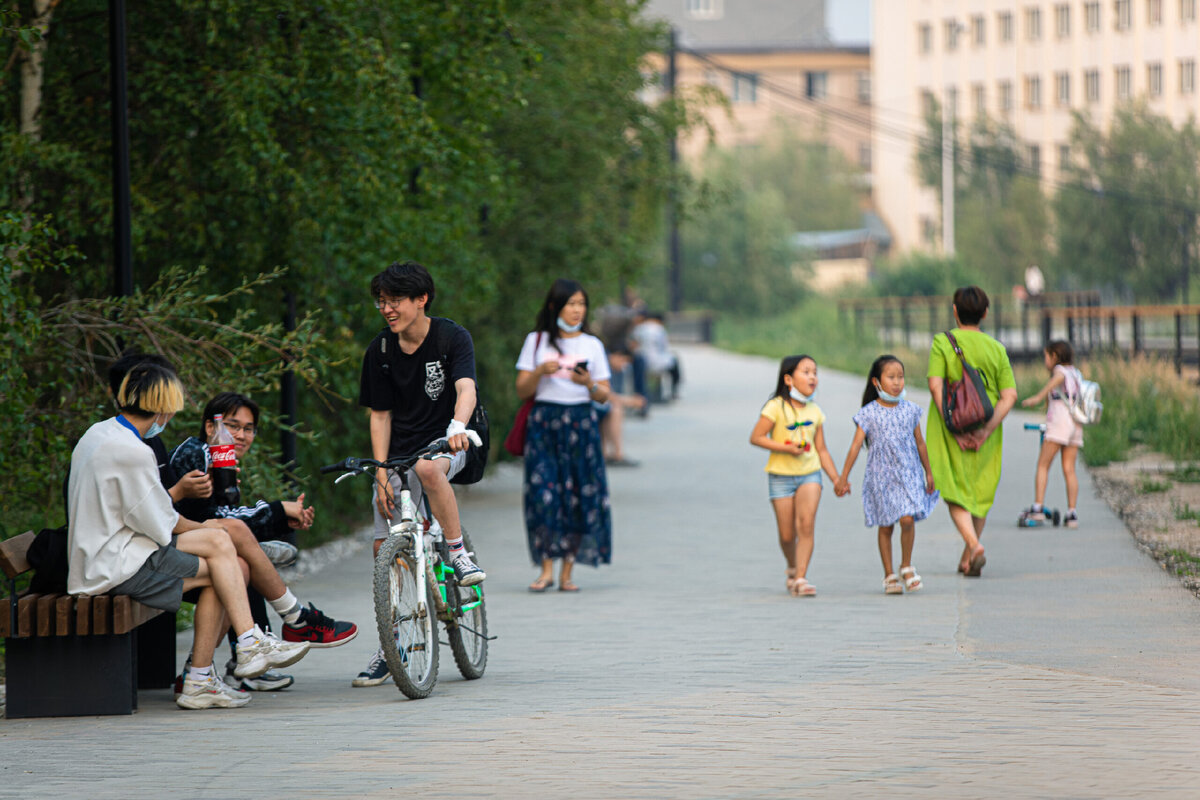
column 155, row 429
column 801, row 398
column 890, row 398
column 565, row 328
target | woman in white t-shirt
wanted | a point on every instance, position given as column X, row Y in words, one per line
column 564, row 368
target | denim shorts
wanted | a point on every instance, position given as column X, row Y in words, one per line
column 780, row 486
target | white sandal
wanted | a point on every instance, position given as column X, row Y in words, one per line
column 912, row 581
column 802, row 588
column 891, row 585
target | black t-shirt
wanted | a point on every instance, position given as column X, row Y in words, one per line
column 419, row 388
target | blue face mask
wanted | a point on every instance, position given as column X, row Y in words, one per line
column 800, row 398
column 155, row 429
column 565, row 328
column 890, row 398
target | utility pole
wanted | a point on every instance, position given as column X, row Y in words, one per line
column 122, row 239
column 676, row 277
column 948, row 172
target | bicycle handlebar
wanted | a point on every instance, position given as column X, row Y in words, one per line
column 398, row 462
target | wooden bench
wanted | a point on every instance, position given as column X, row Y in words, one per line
column 74, row 655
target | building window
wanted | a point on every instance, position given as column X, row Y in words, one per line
column 1033, row 24
column 1091, row 14
column 1033, row 92
column 979, row 30
column 1124, row 77
column 1005, row 94
column 925, row 37
column 864, row 156
column 1187, row 10
column 952, row 30
column 862, row 83
column 1124, row 10
column 979, row 99
column 1154, row 79
column 1064, row 157
column 1187, row 76
column 1033, row 154
column 1005, row 25
column 1062, row 88
column 1091, row 85
column 815, row 85
column 745, row 87
column 705, row 9
column 1154, row 12
column 1062, row 20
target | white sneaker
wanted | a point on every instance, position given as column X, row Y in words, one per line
column 267, row 653
column 267, row 682
column 209, row 693
column 280, row 553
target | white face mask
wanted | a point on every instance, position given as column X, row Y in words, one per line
column 800, row 398
column 565, row 328
column 890, row 398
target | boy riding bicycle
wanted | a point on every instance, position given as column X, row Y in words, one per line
column 418, row 380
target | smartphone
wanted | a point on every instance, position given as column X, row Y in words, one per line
column 581, row 366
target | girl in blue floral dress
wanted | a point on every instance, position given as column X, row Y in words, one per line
column 898, row 484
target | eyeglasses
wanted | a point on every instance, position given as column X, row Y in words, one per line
column 234, row 427
column 394, row 305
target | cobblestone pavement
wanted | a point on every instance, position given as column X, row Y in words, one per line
column 683, row 669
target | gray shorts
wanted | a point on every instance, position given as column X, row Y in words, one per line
column 457, row 462
column 159, row 583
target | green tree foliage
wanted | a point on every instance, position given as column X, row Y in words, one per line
column 1127, row 214
column 501, row 143
column 1002, row 219
column 737, row 250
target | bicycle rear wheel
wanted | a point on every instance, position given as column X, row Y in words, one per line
column 407, row 632
column 468, row 639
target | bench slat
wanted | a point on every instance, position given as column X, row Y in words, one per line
column 142, row 613
column 12, row 554
column 45, row 615
column 5, row 618
column 122, row 614
column 64, row 616
column 27, row 615
column 83, row 616
column 101, row 614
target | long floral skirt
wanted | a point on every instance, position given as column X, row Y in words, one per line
column 567, row 513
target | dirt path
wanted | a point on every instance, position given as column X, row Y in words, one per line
column 1160, row 503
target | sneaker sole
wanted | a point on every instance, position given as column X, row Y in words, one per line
column 201, row 702
column 311, row 643
column 473, row 579
column 248, row 684
column 365, row 682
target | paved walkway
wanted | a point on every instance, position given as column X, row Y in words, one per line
column 684, row 670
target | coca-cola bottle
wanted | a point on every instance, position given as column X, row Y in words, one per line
column 224, row 465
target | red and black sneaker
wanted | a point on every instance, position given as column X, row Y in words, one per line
column 319, row 630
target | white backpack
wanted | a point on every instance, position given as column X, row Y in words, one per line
column 1085, row 404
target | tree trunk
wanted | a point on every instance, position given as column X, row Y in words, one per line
column 32, row 78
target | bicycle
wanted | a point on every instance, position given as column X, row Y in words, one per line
column 1026, row 518
column 415, row 585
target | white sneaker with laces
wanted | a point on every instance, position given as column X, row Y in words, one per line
column 267, row 653
column 209, row 693
column 267, row 682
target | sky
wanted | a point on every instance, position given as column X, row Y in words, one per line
column 849, row 21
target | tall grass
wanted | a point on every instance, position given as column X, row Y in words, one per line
column 1145, row 402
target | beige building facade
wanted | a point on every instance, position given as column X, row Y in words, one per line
column 1029, row 63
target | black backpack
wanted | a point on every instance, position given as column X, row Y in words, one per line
column 477, row 457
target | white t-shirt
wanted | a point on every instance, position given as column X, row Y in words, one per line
column 558, row 387
column 119, row 512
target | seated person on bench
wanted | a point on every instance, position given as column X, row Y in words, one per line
column 125, row 537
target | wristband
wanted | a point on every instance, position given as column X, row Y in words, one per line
column 455, row 428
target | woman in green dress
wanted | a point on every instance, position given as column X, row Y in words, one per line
column 966, row 468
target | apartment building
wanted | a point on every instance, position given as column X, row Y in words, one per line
column 771, row 59
column 1029, row 63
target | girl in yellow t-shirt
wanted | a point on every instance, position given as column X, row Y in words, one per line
column 790, row 426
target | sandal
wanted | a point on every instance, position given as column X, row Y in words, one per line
column 912, row 581
column 891, row 585
column 802, row 588
column 791, row 581
column 541, row 585
column 975, row 565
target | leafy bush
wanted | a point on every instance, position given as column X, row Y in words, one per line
column 924, row 275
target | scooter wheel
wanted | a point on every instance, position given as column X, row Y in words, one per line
column 1056, row 517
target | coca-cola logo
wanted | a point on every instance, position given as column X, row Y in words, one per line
column 222, row 455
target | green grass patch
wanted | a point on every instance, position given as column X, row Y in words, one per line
column 1189, row 473
column 1149, row 486
column 185, row 618
column 1185, row 512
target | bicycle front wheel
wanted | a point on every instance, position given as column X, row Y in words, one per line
column 468, row 638
column 406, row 622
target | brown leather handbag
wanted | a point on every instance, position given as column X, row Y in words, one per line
column 965, row 403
